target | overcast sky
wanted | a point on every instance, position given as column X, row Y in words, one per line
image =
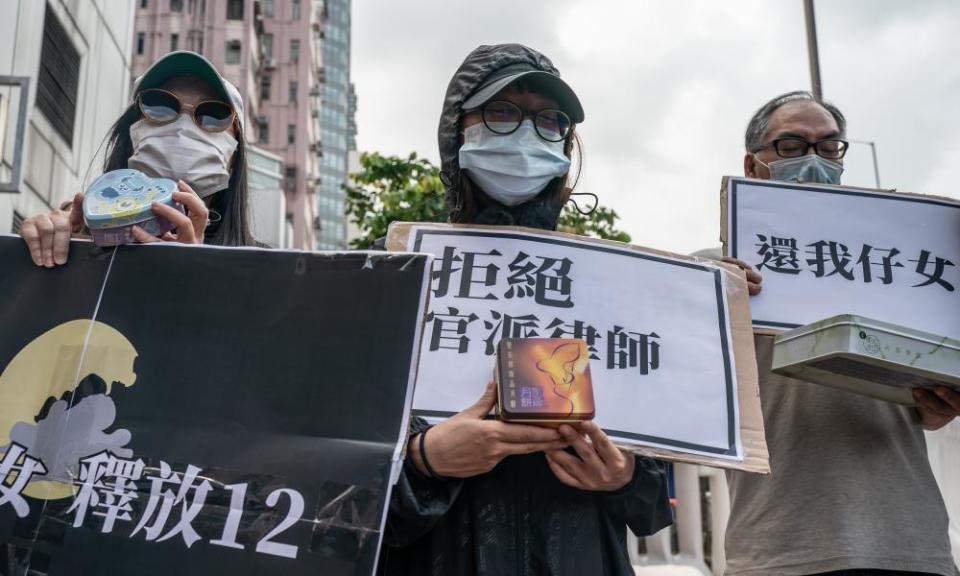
column 668, row 87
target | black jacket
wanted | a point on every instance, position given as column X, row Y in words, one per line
column 518, row 519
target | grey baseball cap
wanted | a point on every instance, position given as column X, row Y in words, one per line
column 187, row 63
column 550, row 84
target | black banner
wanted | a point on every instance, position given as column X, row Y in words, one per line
column 187, row 410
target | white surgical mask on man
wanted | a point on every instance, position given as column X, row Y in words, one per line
column 512, row 168
column 809, row 168
column 182, row 150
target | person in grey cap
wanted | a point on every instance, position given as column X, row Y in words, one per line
column 481, row 496
column 185, row 123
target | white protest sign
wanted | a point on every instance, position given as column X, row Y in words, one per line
column 658, row 328
column 828, row 250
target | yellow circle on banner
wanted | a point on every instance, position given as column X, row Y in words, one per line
column 49, row 366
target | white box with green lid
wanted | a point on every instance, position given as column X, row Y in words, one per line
column 869, row 357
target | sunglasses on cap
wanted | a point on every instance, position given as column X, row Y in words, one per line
column 161, row 107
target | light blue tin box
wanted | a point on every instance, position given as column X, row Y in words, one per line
column 120, row 199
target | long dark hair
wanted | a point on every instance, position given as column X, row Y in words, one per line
column 233, row 229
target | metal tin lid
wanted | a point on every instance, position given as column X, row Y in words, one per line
column 123, row 197
column 860, row 322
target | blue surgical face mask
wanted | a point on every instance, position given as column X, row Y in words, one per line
column 811, row 169
column 513, row 168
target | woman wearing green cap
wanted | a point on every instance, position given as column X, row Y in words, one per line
column 481, row 496
column 185, row 123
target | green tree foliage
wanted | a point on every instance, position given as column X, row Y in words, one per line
column 394, row 189
column 601, row 223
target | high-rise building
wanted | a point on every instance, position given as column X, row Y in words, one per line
column 68, row 64
column 226, row 32
column 290, row 113
column 272, row 51
column 338, row 126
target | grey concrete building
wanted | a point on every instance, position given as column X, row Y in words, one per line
column 74, row 58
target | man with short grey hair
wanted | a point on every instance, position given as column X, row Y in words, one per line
column 851, row 490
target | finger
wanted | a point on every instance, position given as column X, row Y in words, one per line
column 197, row 211
column 950, row 397
column 753, row 276
column 604, row 446
column 76, row 213
column 572, row 466
column 180, row 221
column 525, row 433
column 561, row 474
column 141, row 236
column 532, row 447
column 169, row 237
column 585, row 451
column 183, row 186
column 46, row 229
column 485, row 404
column 190, row 200
column 61, row 236
column 928, row 401
column 736, row 262
column 31, row 235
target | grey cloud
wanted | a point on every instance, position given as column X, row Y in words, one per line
column 669, row 86
column 66, row 435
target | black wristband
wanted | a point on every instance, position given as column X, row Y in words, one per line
column 423, row 455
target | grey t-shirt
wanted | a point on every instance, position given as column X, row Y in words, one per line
column 851, row 486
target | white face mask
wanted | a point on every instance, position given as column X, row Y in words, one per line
column 809, row 168
column 182, row 150
column 512, row 168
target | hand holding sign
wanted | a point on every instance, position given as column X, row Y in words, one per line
column 754, row 279
column 468, row 445
column 48, row 235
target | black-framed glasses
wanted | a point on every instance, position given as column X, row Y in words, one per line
column 503, row 117
column 831, row 148
column 161, row 107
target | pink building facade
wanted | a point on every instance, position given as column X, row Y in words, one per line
column 290, row 105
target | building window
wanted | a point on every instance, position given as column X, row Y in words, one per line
column 233, row 52
column 59, row 77
column 174, row 42
column 295, row 50
column 143, row 3
column 263, row 130
column 291, row 133
column 141, row 43
column 235, row 9
column 293, row 91
column 266, row 45
column 176, row 5
column 290, row 182
column 268, row 8
column 266, row 83
column 296, row 9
